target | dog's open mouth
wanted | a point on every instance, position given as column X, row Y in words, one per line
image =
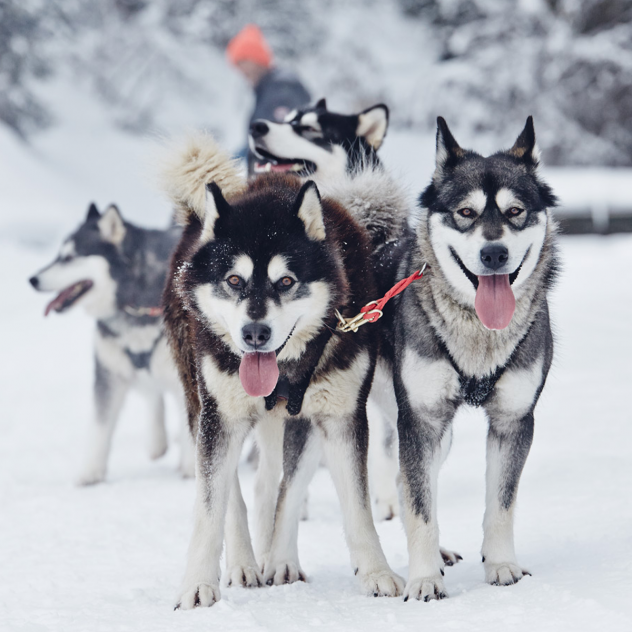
column 68, row 297
column 259, row 371
column 495, row 302
column 267, row 162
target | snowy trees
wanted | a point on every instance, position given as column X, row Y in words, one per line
column 484, row 64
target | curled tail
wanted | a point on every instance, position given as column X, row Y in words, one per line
column 187, row 170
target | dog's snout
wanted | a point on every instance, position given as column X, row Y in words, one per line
column 494, row 256
column 259, row 128
column 256, row 335
column 34, row 281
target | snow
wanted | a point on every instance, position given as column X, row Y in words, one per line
column 111, row 557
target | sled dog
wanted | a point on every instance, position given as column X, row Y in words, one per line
column 249, row 307
column 117, row 271
column 475, row 331
column 339, row 152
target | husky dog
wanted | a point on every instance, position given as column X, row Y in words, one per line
column 250, row 313
column 116, row 271
column 318, row 143
column 339, row 152
column 476, row 331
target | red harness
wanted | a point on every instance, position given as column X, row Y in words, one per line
column 373, row 311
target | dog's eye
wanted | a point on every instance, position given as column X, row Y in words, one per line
column 467, row 212
column 66, row 258
column 514, row 211
column 235, row 281
column 285, row 283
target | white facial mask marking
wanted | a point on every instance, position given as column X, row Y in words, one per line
column 468, row 247
column 283, row 142
column 278, row 268
column 100, row 301
column 242, row 267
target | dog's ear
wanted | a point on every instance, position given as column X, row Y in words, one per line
column 525, row 147
column 216, row 205
column 372, row 125
column 321, row 104
column 310, row 211
column 93, row 213
column 112, row 226
column 448, row 150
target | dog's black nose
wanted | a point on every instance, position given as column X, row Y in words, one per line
column 256, row 335
column 34, row 281
column 494, row 256
column 259, row 128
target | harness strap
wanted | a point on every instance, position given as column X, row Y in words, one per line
column 373, row 311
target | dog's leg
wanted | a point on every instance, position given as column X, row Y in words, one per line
column 269, row 437
column 187, row 441
column 345, row 446
column 109, row 395
column 218, row 449
column 301, row 457
column 422, row 451
column 157, row 431
column 383, row 463
column 508, row 445
column 241, row 566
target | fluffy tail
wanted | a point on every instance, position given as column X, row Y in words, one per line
column 375, row 199
column 190, row 167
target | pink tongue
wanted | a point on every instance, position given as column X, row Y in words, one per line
column 284, row 167
column 58, row 302
column 259, row 373
column 495, row 302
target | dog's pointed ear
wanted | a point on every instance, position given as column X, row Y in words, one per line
column 111, row 226
column 216, row 205
column 310, row 211
column 93, row 213
column 321, row 104
column 525, row 147
column 372, row 125
column 448, row 150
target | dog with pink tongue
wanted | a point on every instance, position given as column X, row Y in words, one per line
column 475, row 330
column 250, row 308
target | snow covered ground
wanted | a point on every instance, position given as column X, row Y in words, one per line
column 111, row 557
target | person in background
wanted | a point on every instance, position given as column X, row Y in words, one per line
column 277, row 91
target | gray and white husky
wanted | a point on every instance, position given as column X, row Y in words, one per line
column 476, row 331
column 116, row 271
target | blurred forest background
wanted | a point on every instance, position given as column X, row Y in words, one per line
column 483, row 64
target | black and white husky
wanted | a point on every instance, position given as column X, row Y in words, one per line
column 249, row 308
column 339, row 153
column 475, row 330
column 117, row 271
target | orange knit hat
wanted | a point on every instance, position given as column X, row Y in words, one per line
column 249, row 44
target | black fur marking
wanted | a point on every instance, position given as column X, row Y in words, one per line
column 295, row 437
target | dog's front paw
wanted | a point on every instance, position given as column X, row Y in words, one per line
column 450, row 558
column 246, row 576
column 425, row 588
column 385, row 509
column 504, row 573
column 90, row 475
column 283, row 573
column 203, row 595
column 384, row 583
